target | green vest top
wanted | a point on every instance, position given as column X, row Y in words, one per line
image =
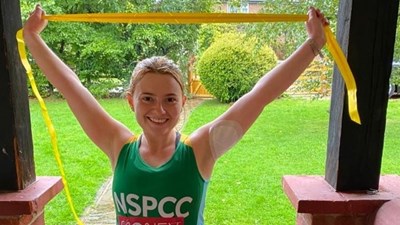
column 173, row 193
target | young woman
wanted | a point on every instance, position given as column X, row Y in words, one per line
column 161, row 177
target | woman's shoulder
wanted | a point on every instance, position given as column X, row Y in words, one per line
column 131, row 139
column 185, row 139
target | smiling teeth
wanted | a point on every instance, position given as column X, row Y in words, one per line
column 156, row 120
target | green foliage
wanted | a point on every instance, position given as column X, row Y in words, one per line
column 285, row 37
column 100, row 51
column 395, row 76
column 208, row 33
column 396, row 56
column 232, row 65
column 101, row 87
column 316, row 80
column 97, row 52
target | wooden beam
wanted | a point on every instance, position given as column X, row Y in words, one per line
column 16, row 149
column 366, row 32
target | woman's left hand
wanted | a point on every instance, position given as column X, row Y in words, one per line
column 315, row 23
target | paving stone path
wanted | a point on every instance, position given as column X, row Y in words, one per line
column 102, row 211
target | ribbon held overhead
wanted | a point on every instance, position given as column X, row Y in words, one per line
column 198, row 18
column 176, row 18
column 183, row 18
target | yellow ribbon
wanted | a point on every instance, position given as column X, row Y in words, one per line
column 176, row 18
column 183, row 18
column 45, row 114
column 344, row 68
column 197, row 18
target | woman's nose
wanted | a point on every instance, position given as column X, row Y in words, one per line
column 160, row 108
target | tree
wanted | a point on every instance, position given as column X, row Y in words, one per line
column 100, row 52
column 395, row 76
column 285, row 37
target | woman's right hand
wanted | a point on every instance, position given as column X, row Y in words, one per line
column 36, row 22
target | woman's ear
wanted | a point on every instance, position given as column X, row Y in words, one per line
column 183, row 100
column 129, row 97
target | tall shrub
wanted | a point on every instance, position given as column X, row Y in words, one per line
column 232, row 65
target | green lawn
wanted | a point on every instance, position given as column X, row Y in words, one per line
column 290, row 137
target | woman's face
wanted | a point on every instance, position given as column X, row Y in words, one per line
column 157, row 102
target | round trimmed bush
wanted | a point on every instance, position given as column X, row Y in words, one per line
column 232, row 65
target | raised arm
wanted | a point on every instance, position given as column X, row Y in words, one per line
column 103, row 130
column 246, row 110
column 215, row 138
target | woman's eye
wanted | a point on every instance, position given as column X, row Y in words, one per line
column 171, row 100
column 147, row 99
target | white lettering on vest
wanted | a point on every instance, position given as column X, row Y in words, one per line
column 179, row 206
column 137, row 210
column 161, row 206
column 119, row 203
column 146, row 206
column 132, row 204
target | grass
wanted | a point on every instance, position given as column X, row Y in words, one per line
column 86, row 167
column 289, row 138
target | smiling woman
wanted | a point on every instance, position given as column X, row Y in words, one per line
column 161, row 176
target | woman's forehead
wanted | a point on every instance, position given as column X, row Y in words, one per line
column 152, row 77
column 156, row 82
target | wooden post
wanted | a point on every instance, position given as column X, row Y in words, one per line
column 16, row 149
column 22, row 196
column 366, row 31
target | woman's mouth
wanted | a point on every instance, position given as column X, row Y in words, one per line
column 158, row 120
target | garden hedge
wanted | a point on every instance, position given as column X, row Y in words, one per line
column 232, row 65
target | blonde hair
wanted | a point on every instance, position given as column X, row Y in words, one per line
column 156, row 64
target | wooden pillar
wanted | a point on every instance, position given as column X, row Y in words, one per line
column 22, row 196
column 16, row 151
column 352, row 190
column 366, row 32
